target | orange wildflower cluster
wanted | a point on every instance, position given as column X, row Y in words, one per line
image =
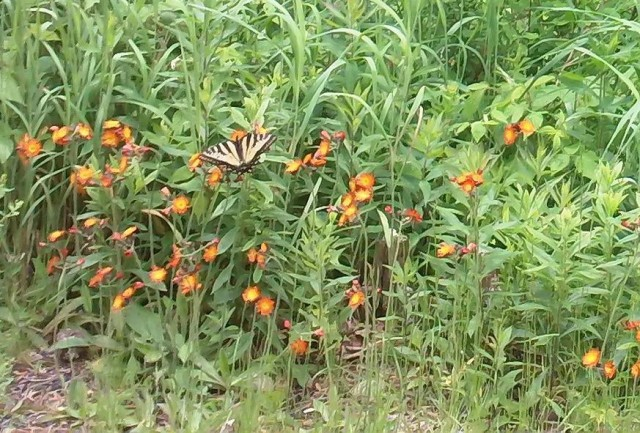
column 360, row 191
column 63, row 135
column 122, row 298
column 115, row 133
column 263, row 304
column 258, row 256
column 188, row 283
column 28, row 148
column 317, row 158
column 355, row 294
column 82, row 177
column 469, row 181
column 513, row 130
column 299, row 347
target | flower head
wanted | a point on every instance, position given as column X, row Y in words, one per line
column 60, row 135
column 469, row 181
column 265, row 306
column 251, row 294
column 99, row 276
column 356, row 298
column 293, row 166
column 510, row 134
column 238, row 134
column 176, row 257
column 413, row 215
column 635, row 370
column 365, row 180
column 591, row 358
column 323, row 149
column 527, row 127
column 83, row 131
column 194, row 162
column 215, row 177
column 180, row 205
column 363, row 195
column 119, row 303
column 258, row 256
column 28, row 148
column 609, row 369
column 349, row 215
column 211, row 252
column 52, row 264
column 189, row 283
column 445, row 250
column 55, row 235
column 157, row 274
column 299, row 347
column 110, row 138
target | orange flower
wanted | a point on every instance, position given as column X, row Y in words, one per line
column 28, row 148
column 189, row 283
column 299, row 347
column 365, row 180
column 157, row 274
column 82, row 177
column 469, row 181
column 339, row 135
column 307, row 158
column 635, row 370
column 251, row 294
column 293, row 166
column 122, row 166
column 258, row 256
column 363, row 195
column 510, row 134
column 215, row 177
column 527, row 127
column 55, row 235
column 323, row 149
column 265, row 306
column 129, row 292
column 356, row 298
column 106, row 180
column 317, row 162
column 631, row 325
column 210, row 252
column 638, row 335
column 99, row 276
column 110, row 138
column 84, row 131
column 238, row 134
column 349, row 215
column 413, row 215
column 194, row 162
column 52, row 264
column 126, row 134
column 347, row 200
column 180, row 205
column 609, row 369
column 90, row 222
column 60, row 135
column 591, row 358
column 176, row 257
column 129, row 231
column 118, row 303
column 445, row 250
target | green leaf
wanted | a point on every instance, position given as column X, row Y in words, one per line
column 9, row 88
column 144, row 322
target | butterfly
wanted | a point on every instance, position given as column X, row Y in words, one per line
column 239, row 156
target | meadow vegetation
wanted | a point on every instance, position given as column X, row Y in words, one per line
column 444, row 236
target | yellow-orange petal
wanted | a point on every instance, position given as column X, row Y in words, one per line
column 215, row 176
column 251, row 294
column 110, row 138
column 157, row 274
column 189, row 283
column 363, row 195
column 176, row 257
column 238, row 134
column 323, row 149
column 180, row 205
column 210, row 253
column 527, row 127
column 194, row 162
column 118, row 303
column 591, row 358
column 111, row 124
column 129, row 231
column 293, row 166
column 60, row 135
column 510, row 134
column 356, row 299
column 365, row 180
column 347, row 200
column 445, row 250
column 84, row 131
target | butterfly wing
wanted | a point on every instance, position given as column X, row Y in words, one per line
column 239, row 156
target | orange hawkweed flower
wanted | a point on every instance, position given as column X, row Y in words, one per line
column 299, row 347
column 28, row 148
column 99, row 276
column 210, row 252
column 157, row 274
column 527, row 127
column 609, row 369
column 129, row 292
column 180, row 205
column 194, row 162
column 119, row 303
column 111, row 124
column 293, row 166
column 445, row 250
column 347, row 200
column 55, row 235
column 129, row 231
column 90, row 222
column 356, row 298
column 323, row 149
column 363, row 195
column 638, row 335
column 60, row 135
column 469, row 181
column 317, row 162
column 106, row 180
column 591, row 358
column 126, row 134
column 52, row 264
column 238, row 134
column 365, row 180
column 265, row 306
column 215, row 177
column 189, row 283
column 122, row 166
column 258, row 256
column 631, row 325
column 635, row 370
column 110, row 138
column 85, row 175
column 251, row 294
column 307, row 158
column 413, row 215
column 510, row 134
column 176, row 257
column 349, row 215
column 83, row 131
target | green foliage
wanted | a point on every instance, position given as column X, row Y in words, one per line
column 487, row 337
